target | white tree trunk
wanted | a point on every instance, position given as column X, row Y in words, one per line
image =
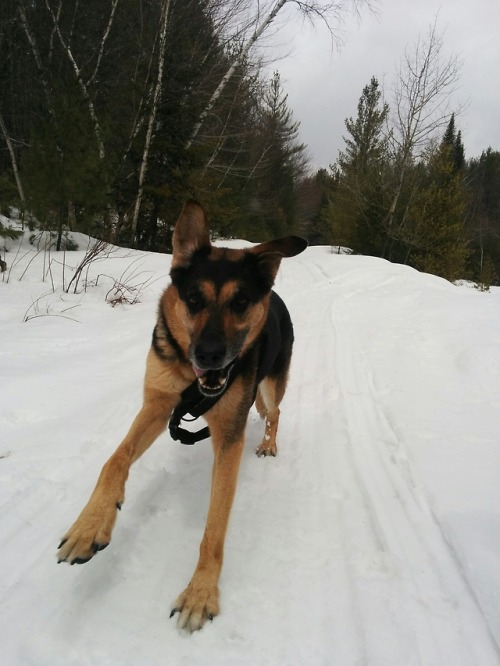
column 103, row 41
column 424, row 85
column 67, row 49
column 232, row 69
column 152, row 116
column 13, row 160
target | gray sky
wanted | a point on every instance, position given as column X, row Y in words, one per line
column 324, row 85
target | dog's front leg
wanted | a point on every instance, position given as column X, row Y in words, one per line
column 200, row 600
column 91, row 532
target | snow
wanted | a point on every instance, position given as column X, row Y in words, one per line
column 372, row 538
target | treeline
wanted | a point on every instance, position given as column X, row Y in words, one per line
column 402, row 188
column 113, row 113
column 446, row 219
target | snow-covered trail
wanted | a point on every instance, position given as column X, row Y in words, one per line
column 353, row 547
column 407, row 596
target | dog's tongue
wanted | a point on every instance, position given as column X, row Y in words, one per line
column 198, row 372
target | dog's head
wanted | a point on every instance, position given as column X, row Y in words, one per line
column 219, row 298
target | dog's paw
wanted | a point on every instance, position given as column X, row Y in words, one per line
column 267, row 448
column 89, row 534
column 198, row 603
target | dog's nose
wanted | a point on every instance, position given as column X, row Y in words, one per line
column 209, row 353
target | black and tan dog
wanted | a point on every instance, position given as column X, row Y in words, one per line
column 222, row 328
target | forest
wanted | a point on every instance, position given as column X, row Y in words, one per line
column 113, row 113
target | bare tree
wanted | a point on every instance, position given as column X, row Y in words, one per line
column 105, row 36
column 152, row 115
column 257, row 26
column 66, row 46
column 425, row 81
column 13, row 160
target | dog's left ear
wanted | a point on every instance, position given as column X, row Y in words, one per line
column 271, row 253
column 287, row 247
column 191, row 233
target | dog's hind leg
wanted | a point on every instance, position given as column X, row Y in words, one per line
column 269, row 396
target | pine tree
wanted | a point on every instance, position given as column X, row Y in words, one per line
column 450, row 134
column 357, row 206
column 453, row 140
column 483, row 218
column 282, row 161
column 366, row 146
column 458, row 152
column 435, row 218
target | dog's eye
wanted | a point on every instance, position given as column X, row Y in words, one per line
column 195, row 301
column 240, row 303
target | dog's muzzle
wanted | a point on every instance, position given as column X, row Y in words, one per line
column 212, row 362
column 212, row 382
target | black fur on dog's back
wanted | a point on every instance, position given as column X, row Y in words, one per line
column 276, row 340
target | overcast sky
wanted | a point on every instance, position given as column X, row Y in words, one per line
column 324, row 84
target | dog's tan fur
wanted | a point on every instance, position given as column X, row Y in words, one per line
column 166, row 377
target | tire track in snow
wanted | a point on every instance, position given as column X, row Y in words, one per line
column 321, row 447
column 401, row 523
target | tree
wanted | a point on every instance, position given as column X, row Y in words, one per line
column 436, row 216
column 483, row 219
column 160, row 112
column 157, row 91
column 425, row 81
column 313, row 192
column 65, row 178
column 356, row 210
column 453, row 140
column 256, row 27
column 367, row 146
column 13, row 158
column 281, row 161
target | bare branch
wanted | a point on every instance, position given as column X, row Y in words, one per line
column 152, row 116
column 311, row 9
column 424, row 85
column 13, row 161
column 103, row 41
column 67, row 49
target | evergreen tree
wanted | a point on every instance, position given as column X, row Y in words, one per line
column 356, row 209
column 366, row 146
column 65, row 179
column 453, row 140
column 435, row 218
column 281, row 161
column 313, row 197
column 483, row 219
column 450, row 134
column 458, row 152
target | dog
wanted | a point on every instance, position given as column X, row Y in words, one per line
column 224, row 333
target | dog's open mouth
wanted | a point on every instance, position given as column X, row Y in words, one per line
column 212, row 382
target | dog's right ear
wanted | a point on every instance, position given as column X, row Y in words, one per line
column 191, row 233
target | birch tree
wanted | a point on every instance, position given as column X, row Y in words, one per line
column 425, row 81
column 257, row 27
column 152, row 115
column 65, row 45
column 13, row 159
